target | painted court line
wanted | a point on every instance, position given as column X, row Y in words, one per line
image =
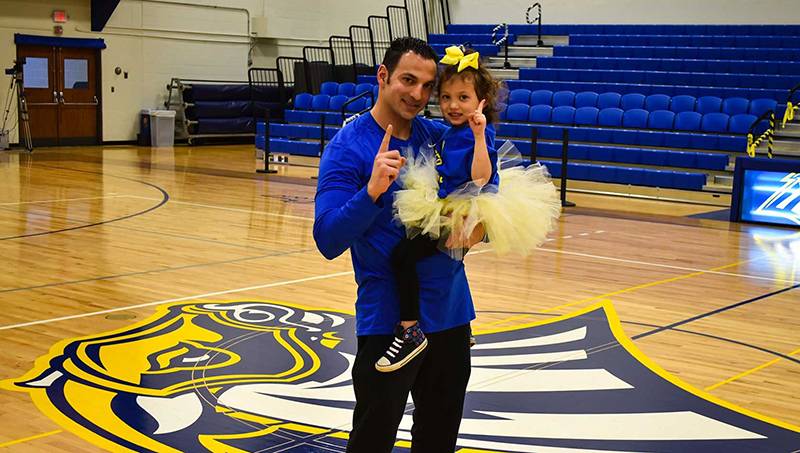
column 57, row 200
column 179, row 299
column 748, row 372
column 667, row 266
column 224, row 208
column 30, row 438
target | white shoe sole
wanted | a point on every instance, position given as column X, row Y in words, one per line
column 400, row 364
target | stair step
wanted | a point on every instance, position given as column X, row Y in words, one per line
column 724, row 180
column 789, row 148
column 547, row 40
column 529, row 51
column 514, row 62
column 718, row 188
column 791, row 130
column 505, row 74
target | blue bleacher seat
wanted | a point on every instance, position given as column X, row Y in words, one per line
column 658, row 178
column 654, row 157
column 517, row 112
column 362, row 88
column 688, row 121
column 520, row 96
column 632, row 101
column 329, row 88
column 540, row 113
column 541, row 97
column 501, row 109
column 586, row 99
column 735, row 106
column 357, row 105
column 586, row 116
column 740, row 124
column 682, row 103
column 682, row 159
column 661, row 119
column 336, row 102
column 708, row 104
column 346, row 88
column 320, row 102
column 635, row 118
column 564, row 114
column 610, row 117
column 563, row 98
column 688, row 181
column 302, row 101
column 603, row 173
column 632, row 176
column 656, row 102
column 759, row 106
column 714, row 122
column 578, row 170
column 608, row 100
column 375, row 90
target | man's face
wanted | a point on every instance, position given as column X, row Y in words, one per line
column 410, row 86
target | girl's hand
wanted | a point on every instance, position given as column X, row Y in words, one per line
column 477, row 120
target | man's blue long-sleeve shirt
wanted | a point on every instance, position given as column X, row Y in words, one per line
column 346, row 218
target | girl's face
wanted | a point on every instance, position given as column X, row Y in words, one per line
column 458, row 99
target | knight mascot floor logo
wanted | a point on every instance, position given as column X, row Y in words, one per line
column 254, row 376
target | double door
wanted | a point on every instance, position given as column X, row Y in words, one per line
column 62, row 89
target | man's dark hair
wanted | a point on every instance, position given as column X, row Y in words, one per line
column 400, row 46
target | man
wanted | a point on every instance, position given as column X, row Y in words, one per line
column 354, row 211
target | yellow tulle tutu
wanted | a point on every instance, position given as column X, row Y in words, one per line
column 517, row 214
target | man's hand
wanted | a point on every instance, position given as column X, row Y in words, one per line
column 477, row 120
column 385, row 168
column 455, row 242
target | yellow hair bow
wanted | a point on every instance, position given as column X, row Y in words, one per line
column 454, row 55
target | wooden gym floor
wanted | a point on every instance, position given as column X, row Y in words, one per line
column 94, row 239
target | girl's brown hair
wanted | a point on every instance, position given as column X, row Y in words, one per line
column 486, row 86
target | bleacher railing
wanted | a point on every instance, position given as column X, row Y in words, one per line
column 791, row 106
column 318, row 66
column 343, row 57
column 399, row 21
column 753, row 143
column 537, row 19
column 363, row 43
column 358, row 53
column 354, row 99
column 290, row 68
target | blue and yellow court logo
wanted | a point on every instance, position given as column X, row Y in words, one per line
column 251, row 376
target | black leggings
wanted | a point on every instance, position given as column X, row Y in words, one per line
column 404, row 264
column 437, row 380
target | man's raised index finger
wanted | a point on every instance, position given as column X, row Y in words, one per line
column 386, row 138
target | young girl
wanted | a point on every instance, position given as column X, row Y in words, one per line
column 445, row 197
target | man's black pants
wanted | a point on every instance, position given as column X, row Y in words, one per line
column 437, row 380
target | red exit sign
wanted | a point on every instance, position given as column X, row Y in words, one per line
column 59, row 16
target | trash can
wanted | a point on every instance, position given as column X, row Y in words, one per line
column 162, row 128
column 144, row 128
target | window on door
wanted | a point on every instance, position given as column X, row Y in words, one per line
column 36, row 73
column 76, row 73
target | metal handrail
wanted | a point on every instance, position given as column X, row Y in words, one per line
column 538, row 6
column 753, row 143
column 353, row 99
column 503, row 41
column 788, row 114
